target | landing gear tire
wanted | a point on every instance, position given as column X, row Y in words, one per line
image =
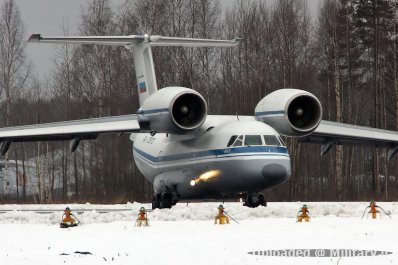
column 163, row 200
column 155, row 202
column 254, row 200
column 166, row 200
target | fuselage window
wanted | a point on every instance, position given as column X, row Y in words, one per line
column 271, row 140
column 253, row 140
column 232, row 140
column 239, row 141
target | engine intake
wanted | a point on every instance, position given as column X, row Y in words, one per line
column 175, row 110
column 188, row 111
column 291, row 112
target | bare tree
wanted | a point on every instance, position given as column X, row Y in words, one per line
column 13, row 69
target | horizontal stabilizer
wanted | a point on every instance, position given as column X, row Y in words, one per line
column 102, row 40
column 132, row 40
column 140, row 45
column 191, row 42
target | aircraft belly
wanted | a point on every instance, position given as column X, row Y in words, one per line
column 236, row 174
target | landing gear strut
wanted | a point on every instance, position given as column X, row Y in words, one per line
column 254, row 200
column 163, row 200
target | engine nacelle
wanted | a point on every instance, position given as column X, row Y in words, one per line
column 292, row 112
column 176, row 110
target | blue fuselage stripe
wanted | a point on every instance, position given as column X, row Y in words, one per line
column 152, row 111
column 267, row 113
column 263, row 150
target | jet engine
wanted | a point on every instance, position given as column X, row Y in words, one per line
column 176, row 110
column 292, row 112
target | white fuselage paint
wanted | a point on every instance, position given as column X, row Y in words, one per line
column 186, row 157
column 179, row 159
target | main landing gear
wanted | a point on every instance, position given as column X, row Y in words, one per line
column 163, row 200
column 254, row 200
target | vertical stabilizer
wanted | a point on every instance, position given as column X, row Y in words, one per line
column 144, row 71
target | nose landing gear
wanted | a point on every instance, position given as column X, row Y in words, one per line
column 164, row 200
column 254, row 200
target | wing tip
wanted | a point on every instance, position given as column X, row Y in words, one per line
column 34, row 37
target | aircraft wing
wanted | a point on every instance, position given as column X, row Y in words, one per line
column 331, row 133
column 68, row 130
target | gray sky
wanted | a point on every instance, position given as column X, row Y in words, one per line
column 47, row 17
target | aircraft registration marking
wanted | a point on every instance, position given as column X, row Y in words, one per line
column 149, row 139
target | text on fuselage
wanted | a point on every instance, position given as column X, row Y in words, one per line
column 149, row 139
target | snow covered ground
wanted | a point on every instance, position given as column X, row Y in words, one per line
column 186, row 234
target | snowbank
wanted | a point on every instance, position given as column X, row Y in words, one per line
column 193, row 238
column 26, row 214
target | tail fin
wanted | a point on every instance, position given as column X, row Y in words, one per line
column 140, row 45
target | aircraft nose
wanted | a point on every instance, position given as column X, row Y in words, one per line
column 275, row 172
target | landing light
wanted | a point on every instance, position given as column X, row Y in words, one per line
column 205, row 176
column 209, row 175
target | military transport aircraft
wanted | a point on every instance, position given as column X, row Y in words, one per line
column 188, row 154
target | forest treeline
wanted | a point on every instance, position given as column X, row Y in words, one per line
column 346, row 56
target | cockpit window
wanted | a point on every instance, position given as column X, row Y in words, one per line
column 253, row 140
column 232, row 140
column 239, row 141
column 271, row 140
column 281, row 141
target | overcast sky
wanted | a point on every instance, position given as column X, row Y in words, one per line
column 47, row 16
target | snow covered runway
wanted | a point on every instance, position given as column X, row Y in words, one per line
column 187, row 235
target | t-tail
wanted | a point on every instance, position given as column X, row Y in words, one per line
column 140, row 45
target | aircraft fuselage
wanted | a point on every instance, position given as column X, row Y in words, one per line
column 226, row 156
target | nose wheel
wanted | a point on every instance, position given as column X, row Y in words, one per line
column 254, row 200
column 163, row 200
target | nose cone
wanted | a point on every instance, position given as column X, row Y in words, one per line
column 275, row 173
